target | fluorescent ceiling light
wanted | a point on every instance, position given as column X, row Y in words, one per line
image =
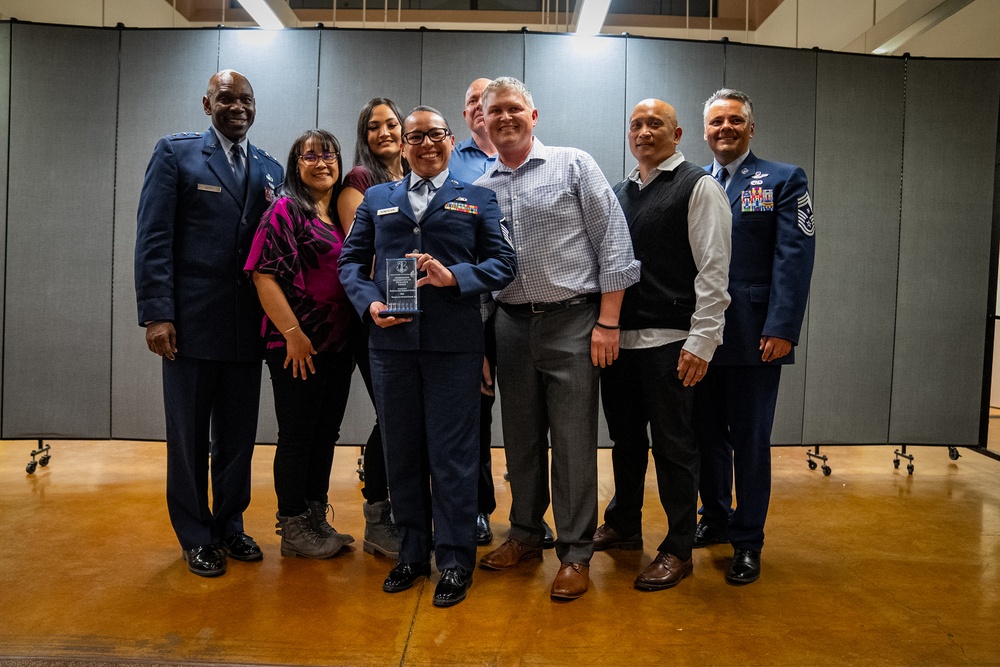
column 270, row 14
column 592, row 15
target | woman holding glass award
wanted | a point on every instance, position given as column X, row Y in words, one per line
column 443, row 242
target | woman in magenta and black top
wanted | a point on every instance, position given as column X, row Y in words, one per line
column 378, row 158
column 293, row 262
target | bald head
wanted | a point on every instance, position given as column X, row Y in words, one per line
column 653, row 133
column 229, row 101
column 473, row 112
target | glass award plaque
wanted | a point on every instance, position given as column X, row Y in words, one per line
column 400, row 287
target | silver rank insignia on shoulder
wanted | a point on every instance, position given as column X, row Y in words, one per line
column 268, row 177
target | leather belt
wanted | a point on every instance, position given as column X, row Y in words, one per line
column 537, row 307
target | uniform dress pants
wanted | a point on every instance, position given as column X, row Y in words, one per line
column 428, row 405
column 211, row 410
column 550, row 389
column 376, row 488
column 309, row 414
column 734, row 411
column 642, row 388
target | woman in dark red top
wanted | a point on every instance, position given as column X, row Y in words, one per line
column 378, row 158
column 293, row 262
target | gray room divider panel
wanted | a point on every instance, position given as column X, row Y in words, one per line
column 450, row 62
column 859, row 144
column 148, row 108
column 357, row 65
column 57, row 343
column 4, row 118
column 945, row 247
column 782, row 85
column 578, row 85
column 283, row 68
column 682, row 74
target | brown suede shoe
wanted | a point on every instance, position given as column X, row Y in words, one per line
column 606, row 537
column 666, row 571
column 509, row 554
column 571, row 581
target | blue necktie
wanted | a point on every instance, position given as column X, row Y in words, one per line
column 721, row 175
column 239, row 169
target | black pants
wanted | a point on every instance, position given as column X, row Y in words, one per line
column 309, row 415
column 642, row 388
column 376, row 486
column 487, row 502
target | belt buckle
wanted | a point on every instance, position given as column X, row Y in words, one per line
column 533, row 311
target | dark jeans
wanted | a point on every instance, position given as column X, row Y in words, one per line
column 487, row 494
column 642, row 388
column 309, row 414
column 376, row 486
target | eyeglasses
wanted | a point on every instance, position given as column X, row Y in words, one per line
column 437, row 135
column 311, row 158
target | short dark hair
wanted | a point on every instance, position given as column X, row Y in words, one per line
column 301, row 199
column 363, row 155
column 427, row 109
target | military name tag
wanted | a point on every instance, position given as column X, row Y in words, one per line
column 387, row 211
column 400, row 287
column 209, row 188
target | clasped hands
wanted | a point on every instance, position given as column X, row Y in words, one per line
column 437, row 274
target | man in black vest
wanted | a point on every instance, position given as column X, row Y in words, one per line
column 671, row 322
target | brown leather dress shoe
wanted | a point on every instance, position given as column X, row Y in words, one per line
column 666, row 571
column 571, row 581
column 509, row 554
column 606, row 537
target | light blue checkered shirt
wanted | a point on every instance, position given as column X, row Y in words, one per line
column 566, row 226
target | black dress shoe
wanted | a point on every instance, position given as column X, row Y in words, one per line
column 484, row 534
column 403, row 576
column 451, row 589
column 745, row 568
column 549, row 541
column 706, row 534
column 240, row 546
column 206, row 561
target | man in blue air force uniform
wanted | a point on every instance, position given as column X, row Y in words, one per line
column 427, row 369
column 202, row 198
column 772, row 260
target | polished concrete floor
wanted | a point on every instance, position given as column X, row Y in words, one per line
column 869, row 566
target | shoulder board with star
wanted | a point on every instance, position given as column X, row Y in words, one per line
column 180, row 136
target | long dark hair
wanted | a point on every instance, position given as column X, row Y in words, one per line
column 296, row 190
column 363, row 155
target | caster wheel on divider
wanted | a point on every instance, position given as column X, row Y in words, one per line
column 44, row 461
column 895, row 464
column 953, row 453
column 30, row 468
column 909, row 468
column 812, row 464
column 827, row 470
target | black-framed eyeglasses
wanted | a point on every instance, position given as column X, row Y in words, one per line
column 312, row 158
column 437, row 135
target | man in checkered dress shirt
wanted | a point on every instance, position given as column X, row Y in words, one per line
column 556, row 327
